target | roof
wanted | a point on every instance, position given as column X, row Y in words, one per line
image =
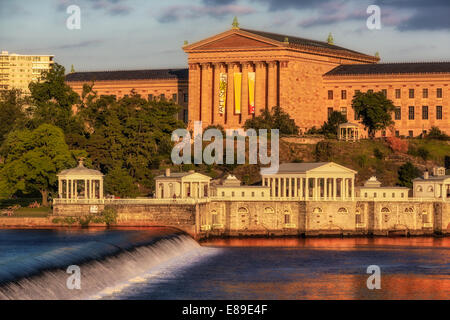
column 348, row 125
column 303, row 42
column 150, row 74
column 299, row 167
column 433, row 178
column 179, row 175
column 81, row 170
column 390, row 68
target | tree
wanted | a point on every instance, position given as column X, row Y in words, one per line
column 12, row 111
column 330, row 128
column 374, row 109
column 32, row 160
column 406, row 173
column 53, row 101
column 274, row 119
column 119, row 183
column 437, row 134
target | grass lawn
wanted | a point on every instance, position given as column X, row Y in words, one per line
column 31, row 212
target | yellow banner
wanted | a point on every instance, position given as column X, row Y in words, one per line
column 223, row 83
column 237, row 92
column 251, row 92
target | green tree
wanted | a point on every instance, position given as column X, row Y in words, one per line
column 53, row 101
column 32, row 160
column 119, row 183
column 406, row 173
column 374, row 109
column 12, row 112
column 273, row 119
column 330, row 128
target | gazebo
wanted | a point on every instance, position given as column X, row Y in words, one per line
column 80, row 183
column 348, row 131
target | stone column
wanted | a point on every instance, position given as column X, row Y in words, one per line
column 260, row 87
column 76, row 189
column 325, row 188
column 301, row 188
column 295, row 188
column 272, row 91
column 334, row 188
column 194, row 112
column 353, row 188
column 206, row 99
column 101, row 188
column 272, row 183
column 59, row 188
column 246, row 68
column 342, row 187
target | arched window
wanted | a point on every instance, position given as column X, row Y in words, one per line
column 317, row 210
column 430, row 189
column 242, row 210
column 214, row 217
column 425, row 217
column 358, row 217
column 419, row 189
column 342, row 210
column 269, row 210
column 385, row 210
column 161, row 190
column 409, row 210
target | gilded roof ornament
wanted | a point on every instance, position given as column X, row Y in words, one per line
column 235, row 23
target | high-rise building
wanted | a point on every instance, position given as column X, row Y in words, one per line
column 17, row 70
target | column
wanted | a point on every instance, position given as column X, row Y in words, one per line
column 353, row 188
column 206, row 98
column 59, row 188
column 325, row 187
column 194, row 93
column 272, row 89
column 285, row 187
column 334, row 188
column 301, row 188
column 85, row 189
column 260, row 87
column 272, row 183
column 101, row 188
column 295, row 188
column 246, row 68
column 316, row 189
column 306, row 188
column 190, row 190
column 218, row 69
column 76, row 189
column 342, row 187
column 443, row 194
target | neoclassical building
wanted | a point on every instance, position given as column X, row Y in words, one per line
column 233, row 75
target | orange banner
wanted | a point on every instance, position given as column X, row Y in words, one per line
column 251, row 92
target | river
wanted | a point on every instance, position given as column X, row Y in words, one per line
column 159, row 263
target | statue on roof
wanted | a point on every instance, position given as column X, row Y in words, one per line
column 235, row 23
column 330, row 39
column 72, row 69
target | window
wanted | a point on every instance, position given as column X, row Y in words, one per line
column 343, row 94
column 410, row 133
column 357, row 91
column 384, row 194
column 232, row 193
column 174, row 97
column 419, row 189
column 317, row 210
column 430, row 189
column 397, row 133
column 365, row 194
column 162, row 97
column 287, row 218
column 344, row 111
column 411, row 113
column 150, row 97
column 398, row 93
column 253, row 194
column 385, row 210
column 370, row 91
column 393, row 194
column 330, row 111
column 342, row 210
column 330, row 94
column 411, row 93
column 439, row 112
column 223, row 193
column 425, row 93
column 374, row 194
column 425, row 112
column 439, row 92
column 358, row 217
column 398, row 113
column 384, row 92
column 215, row 217
column 243, row 193
column 269, row 210
column 185, row 97
column 425, row 217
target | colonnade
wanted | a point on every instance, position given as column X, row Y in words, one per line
column 311, row 188
column 68, row 188
column 204, row 82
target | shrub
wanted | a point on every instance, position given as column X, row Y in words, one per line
column 323, row 151
column 423, row 153
column 406, row 173
column 397, row 145
column 378, row 154
column 436, row 133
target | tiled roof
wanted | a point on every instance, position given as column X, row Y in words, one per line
column 390, row 68
column 303, row 42
column 155, row 74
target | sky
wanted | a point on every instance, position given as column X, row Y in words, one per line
column 149, row 34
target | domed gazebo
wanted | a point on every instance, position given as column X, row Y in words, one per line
column 348, row 131
column 80, row 183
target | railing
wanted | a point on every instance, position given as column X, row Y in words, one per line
column 136, row 201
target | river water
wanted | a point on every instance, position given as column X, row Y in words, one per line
column 158, row 263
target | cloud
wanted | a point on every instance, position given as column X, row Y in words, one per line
column 10, row 8
column 181, row 12
column 82, row 44
column 110, row 7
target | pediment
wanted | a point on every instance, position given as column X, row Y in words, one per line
column 332, row 167
column 231, row 41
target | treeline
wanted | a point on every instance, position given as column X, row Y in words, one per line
column 48, row 130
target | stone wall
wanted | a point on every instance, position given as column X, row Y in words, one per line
column 309, row 218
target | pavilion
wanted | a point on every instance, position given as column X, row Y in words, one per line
column 348, row 132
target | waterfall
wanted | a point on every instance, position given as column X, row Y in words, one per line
column 100, row 269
